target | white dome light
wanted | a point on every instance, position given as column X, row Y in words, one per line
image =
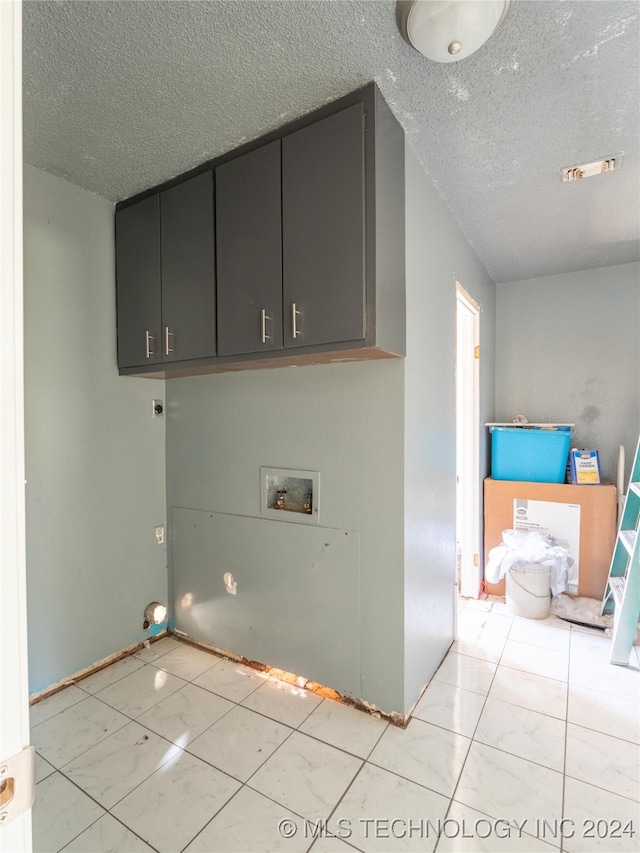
column 449, row 30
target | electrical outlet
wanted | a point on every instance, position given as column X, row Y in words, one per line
column 158, row 408
column 160, row 535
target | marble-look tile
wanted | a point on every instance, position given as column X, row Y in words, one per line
column 450, row 707
column 424, row 754
column 590, row 668
column 503, row 785
column 604, row 761
column 498, row 624
column 156, row 650
column 469, row 831
column 240, row 742
column 71, row 732
column 110, row 674
column 347, row 728
column 591, row 646
column 232, row 680
column 114, row 767
column 484, row 646
column 306, row 776
column 60, row 812
column 530, row 691
column 107, row 835
column 249, row 823
column 527, row 734
column 169, row 822
column 187, row 662
column 585, row 805
column 540, row 634
column 284, row 702
column 47, row 708
column 330, row 844
column 549, row 663
column 136, row 693
column 471, row 623
column 185, row 714
column 555, row 621
column 482, row 604
column 605, row 713
column 43, row 768
column 468, row 673
column 500, row 606
column 365, row 817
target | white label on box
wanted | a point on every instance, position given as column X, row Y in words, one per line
column 560, row 522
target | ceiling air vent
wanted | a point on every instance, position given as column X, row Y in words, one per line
column 587, row 170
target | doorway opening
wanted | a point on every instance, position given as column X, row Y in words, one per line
column 469, row 571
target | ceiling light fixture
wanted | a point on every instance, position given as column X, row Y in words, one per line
column 449, row 30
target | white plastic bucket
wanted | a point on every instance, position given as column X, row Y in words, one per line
column 528, row 591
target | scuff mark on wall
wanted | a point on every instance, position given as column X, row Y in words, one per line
column 590, row 414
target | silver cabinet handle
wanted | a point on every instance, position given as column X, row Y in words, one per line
column 294, row 324
column 167, row 335
column 264, row 318
column 147, row 342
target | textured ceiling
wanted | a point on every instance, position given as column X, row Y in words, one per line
column 119, row 96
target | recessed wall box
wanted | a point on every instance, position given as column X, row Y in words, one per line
column 287, row 494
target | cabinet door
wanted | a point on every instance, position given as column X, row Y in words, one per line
column 323, row 230
column 249, row 252
column 188, row 270
column 138, row 283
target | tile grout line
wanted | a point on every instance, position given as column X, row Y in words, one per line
column 472, row 738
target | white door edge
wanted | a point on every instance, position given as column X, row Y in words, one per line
column 468, row 442
column 14, row 691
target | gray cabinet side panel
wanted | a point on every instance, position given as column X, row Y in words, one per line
column 138, row 282
column 390, row 298
column 188, row 268
column 249, row 252
column 323, row 229
column 298, row 593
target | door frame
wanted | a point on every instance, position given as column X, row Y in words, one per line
column 468, row 441
column 14, row 688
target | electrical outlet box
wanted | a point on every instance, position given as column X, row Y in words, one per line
column 160, row 535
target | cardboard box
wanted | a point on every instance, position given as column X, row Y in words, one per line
column 597, row 524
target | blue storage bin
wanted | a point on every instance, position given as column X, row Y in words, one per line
column 532, row 453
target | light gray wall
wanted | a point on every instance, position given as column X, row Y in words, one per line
column 437, row 256
column 343, row 420
column 94, row 455
column 568, row 349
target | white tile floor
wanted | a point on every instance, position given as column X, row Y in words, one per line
column 524, row 725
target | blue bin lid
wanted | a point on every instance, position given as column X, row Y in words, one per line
column 564, row 427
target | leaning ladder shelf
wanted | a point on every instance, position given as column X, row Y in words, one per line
column 622, row 594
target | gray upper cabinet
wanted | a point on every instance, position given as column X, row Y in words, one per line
column 165, row 276
column 307, row 262
column 188, row 270
column 323, row 234
column 249, row 252
column 138, row 283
